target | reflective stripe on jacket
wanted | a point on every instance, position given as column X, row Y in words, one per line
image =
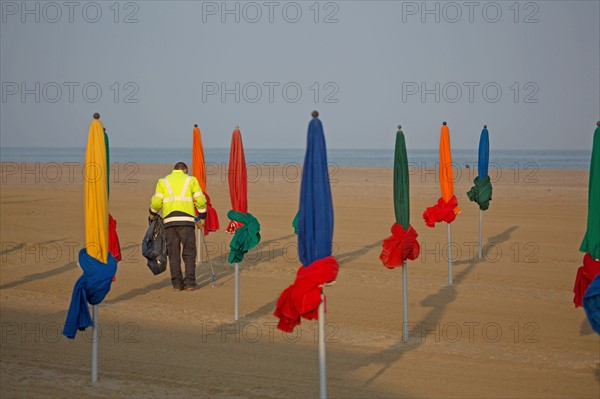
column 178, row 194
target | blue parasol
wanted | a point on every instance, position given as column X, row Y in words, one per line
column 481, row 192
column 306, row 298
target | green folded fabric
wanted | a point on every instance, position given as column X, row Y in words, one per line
column 481, row 192
column 295, row 223
column 245, row 238
column 591, row 240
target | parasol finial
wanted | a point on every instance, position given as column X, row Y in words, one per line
column 399, row 127
column 485, row 126
column 598, row 123
column 315, row 114
column 444, row 123
column 96, row 115
column 236, row 127
column 195, row 125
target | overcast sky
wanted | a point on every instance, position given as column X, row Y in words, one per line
column 529, row 70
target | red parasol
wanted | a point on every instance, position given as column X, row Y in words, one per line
column 238, row 179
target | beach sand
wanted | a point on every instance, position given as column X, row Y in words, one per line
column 506, row 328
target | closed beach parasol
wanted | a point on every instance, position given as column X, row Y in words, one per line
column 481, row 192
column 237, row 178
column 243, row 225
column 446, row 208
column 199, row 172
column 402, row 244
column 98, row 265
column 591, row 240
column 306, row 297
column 211, row 222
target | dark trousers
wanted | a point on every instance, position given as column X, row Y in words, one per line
column 176, row 236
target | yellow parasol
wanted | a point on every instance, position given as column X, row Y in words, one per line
column 96, row 193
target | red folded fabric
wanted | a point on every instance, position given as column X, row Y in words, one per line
column 233, row 226
column 401, row 245
column 585, row 276
column 212, row 219
column 441, row 212
column 113, row 240
column 302, row 298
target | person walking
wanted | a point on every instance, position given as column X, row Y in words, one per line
column 179, row 196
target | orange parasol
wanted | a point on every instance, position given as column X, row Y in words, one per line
column 446, row 208
column 446, row 175
column 199, row 172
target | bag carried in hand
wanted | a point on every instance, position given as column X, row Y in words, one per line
column 154, row 246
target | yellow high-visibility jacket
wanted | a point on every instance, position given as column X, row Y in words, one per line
column 178, row 194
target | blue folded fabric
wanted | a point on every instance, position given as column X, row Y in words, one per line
column 591, row 304
column 90, row 288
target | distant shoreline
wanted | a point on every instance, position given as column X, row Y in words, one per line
column 65, row 174
column 426, row 159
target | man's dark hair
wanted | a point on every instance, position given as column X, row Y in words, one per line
column 180, row 166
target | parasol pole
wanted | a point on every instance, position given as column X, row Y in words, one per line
column 95, row 343
column 237, row 290
column 322, row 362
column 480, row 231
column 214, row 276
column 95, row 317
column 198, row 248
column 449, row 255
column 405, row 301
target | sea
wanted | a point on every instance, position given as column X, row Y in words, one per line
column 423, row 158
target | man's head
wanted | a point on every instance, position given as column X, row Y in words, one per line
column 181, row 166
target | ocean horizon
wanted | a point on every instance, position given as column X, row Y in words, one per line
column 423, row 158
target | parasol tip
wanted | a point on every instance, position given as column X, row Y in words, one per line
column 236, row 127
column 195, row 125
column 598, row 123
column 315, row 114
column 96, row 115
column 444, row 123
column 485, row 126
column 399, row 127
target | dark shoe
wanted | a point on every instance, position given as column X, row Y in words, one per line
column 191, row 288
column 177, row 288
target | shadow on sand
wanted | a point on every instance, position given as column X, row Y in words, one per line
column 35, row 276
column 224, row 271
column 438, row 302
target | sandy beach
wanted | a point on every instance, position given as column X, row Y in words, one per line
column 506, row 328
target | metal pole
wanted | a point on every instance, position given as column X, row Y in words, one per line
column 95, row 343
column 480, row 231
column 237, row 290
column 214, row 276
column 449, row 255
column 405, row 301
column 322, row 363
column 198, row 248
